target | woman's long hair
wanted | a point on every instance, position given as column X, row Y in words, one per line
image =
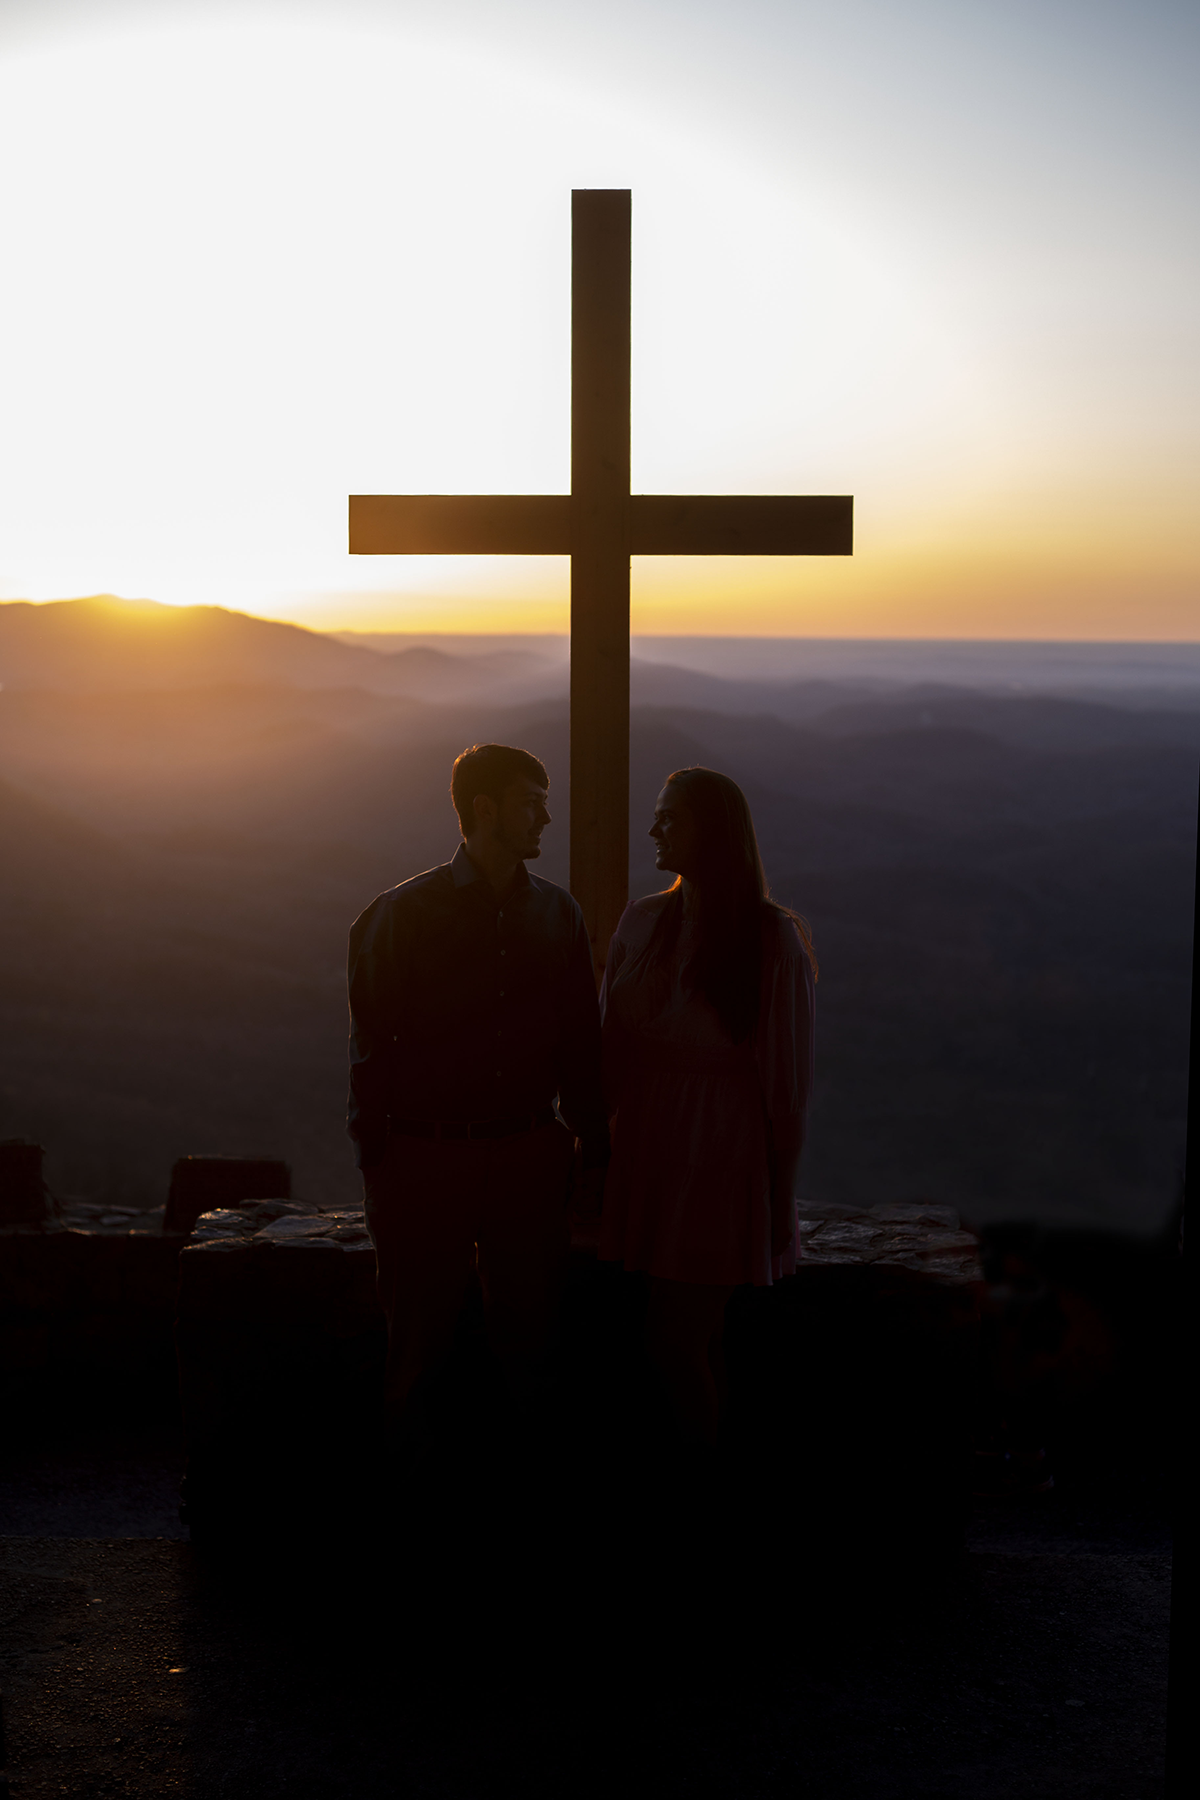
column 734, row 901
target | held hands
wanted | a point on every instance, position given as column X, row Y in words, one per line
column 586, row 1203
column 587, row 1196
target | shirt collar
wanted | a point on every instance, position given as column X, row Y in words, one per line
column 462, row 868
column 463, row 871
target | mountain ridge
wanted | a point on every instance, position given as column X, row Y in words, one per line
column 102, row 642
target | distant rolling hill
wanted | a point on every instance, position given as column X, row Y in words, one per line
column 104, row 644
column 999, row 886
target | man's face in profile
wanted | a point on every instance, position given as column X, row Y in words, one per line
column 522, row 818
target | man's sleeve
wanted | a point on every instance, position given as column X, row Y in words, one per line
column 580, row 1094
column 371, row 978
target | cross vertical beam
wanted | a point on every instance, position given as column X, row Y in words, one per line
column 600, row 549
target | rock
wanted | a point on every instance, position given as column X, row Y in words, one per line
column 243, row 1220
column 283, row 1231
column 915, row 1213
column 827, row 1210
column 201, row 1183
column 851, row 1238
column 917, row 1236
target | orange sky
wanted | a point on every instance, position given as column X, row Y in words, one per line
column 938, row 257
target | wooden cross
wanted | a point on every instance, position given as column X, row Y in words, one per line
column 600, row 525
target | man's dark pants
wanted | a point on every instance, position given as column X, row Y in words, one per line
column 439, row 1209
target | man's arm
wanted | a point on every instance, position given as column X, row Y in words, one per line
column 580, row 1094
column 371, row 977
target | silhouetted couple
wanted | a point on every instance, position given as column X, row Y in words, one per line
column 480, row 1057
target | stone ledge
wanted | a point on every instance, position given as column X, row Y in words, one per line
column 922, row 1238
column 271, row 1263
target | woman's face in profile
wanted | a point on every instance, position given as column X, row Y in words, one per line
column 676, row 835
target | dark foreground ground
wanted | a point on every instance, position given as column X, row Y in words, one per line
column 530, row 1643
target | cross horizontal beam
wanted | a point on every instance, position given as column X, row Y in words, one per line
column 659, row 525
column 741, row 525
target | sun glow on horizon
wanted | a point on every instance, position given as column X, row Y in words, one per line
column 261, row 264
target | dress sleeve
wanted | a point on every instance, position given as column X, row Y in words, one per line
column 783, row 1040
column 617, row 952
column 615, row 1048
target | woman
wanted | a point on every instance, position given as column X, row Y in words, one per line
column 708, row 1016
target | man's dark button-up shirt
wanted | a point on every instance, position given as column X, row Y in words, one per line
column 467, row 1006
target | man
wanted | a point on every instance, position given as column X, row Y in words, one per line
column 473, row 1011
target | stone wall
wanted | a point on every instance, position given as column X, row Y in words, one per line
column 281, row 1344
column 860, row 1376
column 854, row 1383
column 88, row 1290
column 85, row 1290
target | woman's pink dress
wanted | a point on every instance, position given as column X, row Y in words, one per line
column 688, row 1194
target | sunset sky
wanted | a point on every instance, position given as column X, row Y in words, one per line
column 940, row 254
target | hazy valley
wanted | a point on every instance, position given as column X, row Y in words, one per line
column 998, row 872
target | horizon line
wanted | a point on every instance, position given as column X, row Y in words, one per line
column 712, row 636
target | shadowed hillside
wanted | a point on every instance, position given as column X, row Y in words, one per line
column 999, row 889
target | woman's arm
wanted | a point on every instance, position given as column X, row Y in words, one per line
column 785, row 1142
column 784, row 1048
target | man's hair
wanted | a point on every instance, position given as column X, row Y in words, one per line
column 490, row 769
